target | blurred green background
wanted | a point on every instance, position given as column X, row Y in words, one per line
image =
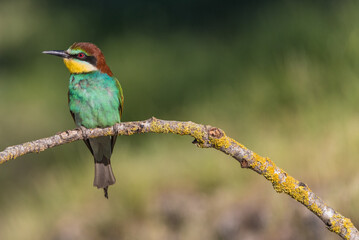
column 281, row 77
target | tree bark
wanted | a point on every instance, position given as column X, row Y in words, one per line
column 205, row 136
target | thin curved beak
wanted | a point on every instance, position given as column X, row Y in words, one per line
column 58, row 53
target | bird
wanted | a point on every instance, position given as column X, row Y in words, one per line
column 95, row 99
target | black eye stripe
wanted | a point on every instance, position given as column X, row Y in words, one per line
column 89, row 59
column 77, row 57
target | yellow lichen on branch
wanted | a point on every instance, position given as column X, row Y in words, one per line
column 205, row 137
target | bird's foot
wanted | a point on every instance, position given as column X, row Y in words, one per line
column 83, row 131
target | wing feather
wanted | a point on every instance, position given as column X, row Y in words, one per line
column 87, row 142
column 120, row 109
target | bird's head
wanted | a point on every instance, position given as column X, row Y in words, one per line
column 82, row 57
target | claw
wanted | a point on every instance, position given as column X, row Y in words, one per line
column 83, row 130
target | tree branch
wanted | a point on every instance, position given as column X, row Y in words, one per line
column 205, row 137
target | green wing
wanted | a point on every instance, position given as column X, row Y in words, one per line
column 120, row 109
column 73, row 117
column 120, row 97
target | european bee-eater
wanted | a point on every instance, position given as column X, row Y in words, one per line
column 95, row 99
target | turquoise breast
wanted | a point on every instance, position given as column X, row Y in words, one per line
column 93, row 99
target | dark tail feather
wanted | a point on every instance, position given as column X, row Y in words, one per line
column 103, row 175
column 102, row 151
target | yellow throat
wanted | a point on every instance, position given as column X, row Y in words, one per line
column 77, row 66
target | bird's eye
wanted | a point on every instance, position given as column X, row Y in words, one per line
column 81, row 55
